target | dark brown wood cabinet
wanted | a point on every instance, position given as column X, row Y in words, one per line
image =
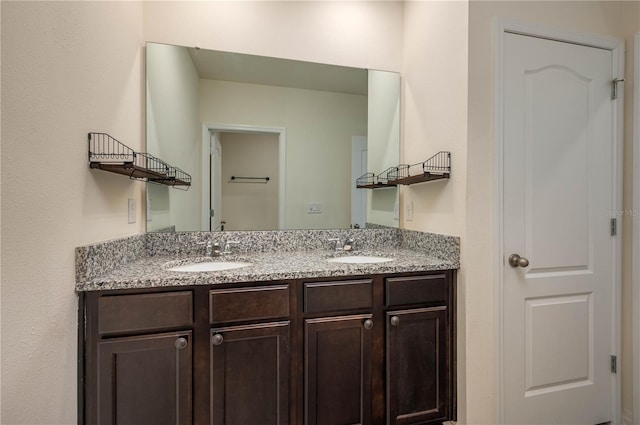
column 250, row 374
column 149, row 370
column 367, row 350
column 417, row 350
column 338, row 370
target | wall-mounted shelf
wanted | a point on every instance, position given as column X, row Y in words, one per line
column 108, row 154
column 371, row 181
column 437, row 167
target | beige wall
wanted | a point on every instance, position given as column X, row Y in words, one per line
column 67, row 68
column 630, row 26
column 383, row 143
column 434, row 118
column 595, row 17
column 318, row 125
column 364, row 34
column 73, row 67
column 174, row 134
column 250, row 204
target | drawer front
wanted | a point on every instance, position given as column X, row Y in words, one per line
column 144, row 312
column 254, row 303
column 416, row 290
column 320, row 297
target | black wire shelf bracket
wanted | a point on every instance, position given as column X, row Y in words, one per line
column 438, row 167
column 109, row 154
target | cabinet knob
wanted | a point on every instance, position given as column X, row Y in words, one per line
column 181, row 343
column 217, row 339
column 368, row 324
column 395, row 320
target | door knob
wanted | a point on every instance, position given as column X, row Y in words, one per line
column 217, row 339
column 181, row 343
column 517, row 261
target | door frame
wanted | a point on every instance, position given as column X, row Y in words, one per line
column 502, row 26
column 238, row 128
column 636, row 234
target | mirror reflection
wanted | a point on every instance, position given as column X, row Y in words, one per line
column 270, row 143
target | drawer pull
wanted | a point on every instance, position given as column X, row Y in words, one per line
column 395, row 320
column 368, row 324
column 217, row 339
column 181, row 343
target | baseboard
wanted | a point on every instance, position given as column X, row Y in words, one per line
column 627, row 417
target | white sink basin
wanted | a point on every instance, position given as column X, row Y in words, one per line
column 359, row 259
column 210, row 266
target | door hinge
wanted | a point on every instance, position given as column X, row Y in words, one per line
column 211, row 213
column 614, row 87
column 614, row 364
column 614, row 226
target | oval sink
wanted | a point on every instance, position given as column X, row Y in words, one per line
column 359, row 259
column 210, row 266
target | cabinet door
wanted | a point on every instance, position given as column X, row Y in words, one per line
column 250, row 374
column 145, row 380
column 338, row 370
column 417, row 366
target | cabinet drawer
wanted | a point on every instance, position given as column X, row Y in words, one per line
column 254, row 303
column 322, row 297
column 416, row 290
column 144, row 312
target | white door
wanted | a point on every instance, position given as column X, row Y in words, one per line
column 358, row 168
column 559, row 310
column 215, row 197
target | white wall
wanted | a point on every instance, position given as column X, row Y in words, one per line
column 250, row 204
column 67, row 68
column 174, row 133
column 318, row 125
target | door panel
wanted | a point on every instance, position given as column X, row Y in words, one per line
column 250, row 374
column 558, row 184
column 338, row 371
column 145, row 380
column 417, row 381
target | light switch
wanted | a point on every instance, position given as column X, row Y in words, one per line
column 132, row 210
column 410, row 211
column 314, row 208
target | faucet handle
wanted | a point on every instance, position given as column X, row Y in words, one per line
column 335, row 242
column 349, row 244
column 228, row 247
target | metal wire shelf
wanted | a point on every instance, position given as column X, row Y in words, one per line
column 437, row 167
column 108, row 154
column 372, row 181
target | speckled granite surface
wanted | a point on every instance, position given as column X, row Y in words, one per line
column 142, row 261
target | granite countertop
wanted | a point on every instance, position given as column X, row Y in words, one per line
column 152, row 272
column 142, row 261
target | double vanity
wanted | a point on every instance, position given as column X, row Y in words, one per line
column 282, row 327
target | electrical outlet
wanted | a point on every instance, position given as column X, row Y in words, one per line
column 410, row 211
column 132, row 210
column 314, row 208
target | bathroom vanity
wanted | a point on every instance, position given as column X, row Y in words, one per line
column 291, row 339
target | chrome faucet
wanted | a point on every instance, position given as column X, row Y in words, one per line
column 211, row 249
column 348, row 244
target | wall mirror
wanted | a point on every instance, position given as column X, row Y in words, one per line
column 270, row 143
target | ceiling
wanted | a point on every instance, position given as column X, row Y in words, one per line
column 216, row 65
